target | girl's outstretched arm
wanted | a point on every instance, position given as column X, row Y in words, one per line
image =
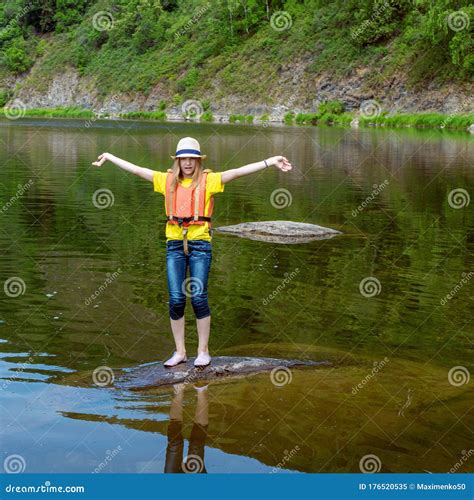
column 278, row 161
column 144, row 173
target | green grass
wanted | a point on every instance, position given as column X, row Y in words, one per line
column 416, row 120
column 207, row 117
column 336, row 119
column 144, row 115
column 321, row 118
column 241, row 119
column 307, row 118
column 289, row 118
column 421, row 120
column 66, row 112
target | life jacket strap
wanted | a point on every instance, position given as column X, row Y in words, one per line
column 185, row 241
column 186, row 220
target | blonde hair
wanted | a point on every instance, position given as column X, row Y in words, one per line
column 178, row 175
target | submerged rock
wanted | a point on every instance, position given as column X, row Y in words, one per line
column 155, row 374
column 279, row 231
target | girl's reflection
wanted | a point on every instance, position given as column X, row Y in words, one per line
column 194, row 461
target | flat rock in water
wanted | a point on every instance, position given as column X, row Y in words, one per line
column 155, row 374
column 279, row 231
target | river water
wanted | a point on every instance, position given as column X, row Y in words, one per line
column 388, row 303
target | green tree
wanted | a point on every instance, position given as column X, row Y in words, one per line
column 149, row 26
column 16, row 58
column 69, row 12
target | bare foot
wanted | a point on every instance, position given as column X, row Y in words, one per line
column 203, row 359
column 176, row 359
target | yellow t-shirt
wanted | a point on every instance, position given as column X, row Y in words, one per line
column 195, row 231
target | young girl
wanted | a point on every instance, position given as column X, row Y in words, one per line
column 188, row 191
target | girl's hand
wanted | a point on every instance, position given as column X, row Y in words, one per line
column 101, row 159
column 280, row 162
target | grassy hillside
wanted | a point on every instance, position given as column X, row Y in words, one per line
column 232, row 47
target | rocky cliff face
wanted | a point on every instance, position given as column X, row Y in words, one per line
column 295, row 90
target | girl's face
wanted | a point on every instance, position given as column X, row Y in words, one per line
column 187, row 166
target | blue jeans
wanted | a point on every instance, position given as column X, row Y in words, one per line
column 180, row 287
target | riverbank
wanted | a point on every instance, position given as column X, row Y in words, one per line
column 245, row 57
column 372, row 118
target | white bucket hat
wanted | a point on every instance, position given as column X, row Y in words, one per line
column 188, row 147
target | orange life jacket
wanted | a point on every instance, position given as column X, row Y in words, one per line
column 185, row 206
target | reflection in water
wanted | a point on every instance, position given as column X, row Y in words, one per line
column 194, row 461
column 406, row 237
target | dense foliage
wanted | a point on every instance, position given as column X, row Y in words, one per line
column 133, row 44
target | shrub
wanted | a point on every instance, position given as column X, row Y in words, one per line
column 307, row 118
column 422, row 120
column 332, row 107
column 240, row 118
column 187, row 84
column 16, row 59
column 178, row 99
column 5, row 96
column 207, row 116
column 289, row 117
column 145, row 115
